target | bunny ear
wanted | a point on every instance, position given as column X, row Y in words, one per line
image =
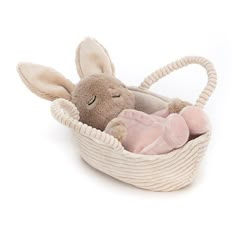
column 45, row 82
column 92, row 58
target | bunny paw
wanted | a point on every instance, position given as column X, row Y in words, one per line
column 117, row 129
column 176, row 105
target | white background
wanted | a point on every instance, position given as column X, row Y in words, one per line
column 45, row 188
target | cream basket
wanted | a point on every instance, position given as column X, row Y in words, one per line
column 166, row 172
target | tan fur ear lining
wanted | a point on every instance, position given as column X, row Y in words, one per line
column 45, row 82
column 93, row 58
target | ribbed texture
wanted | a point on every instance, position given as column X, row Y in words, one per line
column 166, row 172
column 164, row 71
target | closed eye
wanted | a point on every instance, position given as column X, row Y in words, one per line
column 116, row 96
column 92, row 100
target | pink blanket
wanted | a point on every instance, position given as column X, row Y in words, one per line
column 147, row 134
column 160, row 132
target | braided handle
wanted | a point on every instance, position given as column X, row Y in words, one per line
column 66, row 113
column 162, row 72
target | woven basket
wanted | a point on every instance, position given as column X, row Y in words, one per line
column 166, row 172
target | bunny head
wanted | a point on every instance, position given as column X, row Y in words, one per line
column 99, row 96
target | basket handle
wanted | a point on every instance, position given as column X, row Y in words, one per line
column 164, row 71
column 66, row 113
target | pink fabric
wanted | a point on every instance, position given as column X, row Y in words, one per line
column 152, row 134
column 196, row 119
column 161, row 132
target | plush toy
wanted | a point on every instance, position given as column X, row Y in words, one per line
column 99, row 96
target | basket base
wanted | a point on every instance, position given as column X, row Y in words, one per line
column 167, row 172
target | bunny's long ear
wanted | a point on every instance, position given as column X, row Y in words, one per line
column 92, row 58
column 45, row 82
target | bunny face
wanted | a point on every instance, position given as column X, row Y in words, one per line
column 99, row 97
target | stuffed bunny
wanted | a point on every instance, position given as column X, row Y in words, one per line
column 99, row 96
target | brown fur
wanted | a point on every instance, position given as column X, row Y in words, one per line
column 117, row 128
column 177, row 105
column 106, row 107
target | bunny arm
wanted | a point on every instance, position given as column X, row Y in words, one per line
column 117, row 129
